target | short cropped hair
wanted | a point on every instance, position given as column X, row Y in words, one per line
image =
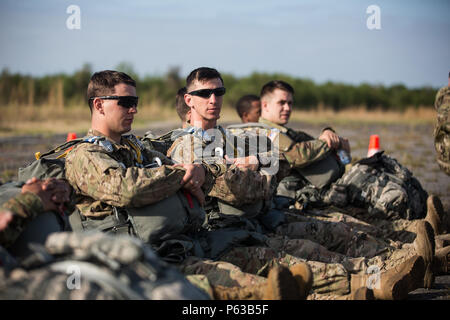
column 244, row 104
column 102, row 83
column 202, row 74
column 180, row 105
column 276, row 84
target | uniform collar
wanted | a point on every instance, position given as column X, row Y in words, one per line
column 101, row 136
column 273, row 125
column 201, row 133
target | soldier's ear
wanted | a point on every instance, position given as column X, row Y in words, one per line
column 97, row 105
column 263, row 105
column 188, row 100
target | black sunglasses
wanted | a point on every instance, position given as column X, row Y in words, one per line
column 124, row 101
column 206, row 93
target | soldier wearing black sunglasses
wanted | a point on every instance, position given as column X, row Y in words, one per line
column 124, row 101
column 114, row 169
column 204, row 96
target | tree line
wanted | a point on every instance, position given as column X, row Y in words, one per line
column 67, row 90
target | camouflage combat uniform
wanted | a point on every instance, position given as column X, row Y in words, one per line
column 118, row 175
column 248, row 266
column 335, row 235
column 304, row 151
column 236, row 187
column 442, row 129
column 244, row 265
column 124, row 178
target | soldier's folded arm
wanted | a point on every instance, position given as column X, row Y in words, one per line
column 302, row 154
column 97, row 175
column 238, row 186
column 229, row 184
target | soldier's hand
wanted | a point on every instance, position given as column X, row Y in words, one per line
column 54, row 193
column 250, row 162
column 60, row 189
column 5, row 218
column 331, row 138
column 194, row 176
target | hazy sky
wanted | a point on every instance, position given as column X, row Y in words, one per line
column 319, row 40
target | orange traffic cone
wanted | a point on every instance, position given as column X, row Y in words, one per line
column 374, row 145
column 71, row 136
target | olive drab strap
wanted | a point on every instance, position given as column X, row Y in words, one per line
column 43, row 167
column 136, row 151
column 63, row 147
column 298, row 136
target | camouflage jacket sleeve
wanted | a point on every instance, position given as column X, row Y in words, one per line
column 231, row 184
column 24, row 207
column 93, row 172
column 301, row 154
column 242, row 186
column 182, row 151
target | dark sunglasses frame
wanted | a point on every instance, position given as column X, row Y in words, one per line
column 206, row 93
column 124, row 101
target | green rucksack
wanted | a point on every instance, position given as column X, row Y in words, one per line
column 44, row 167
column 164, row 142
column 381, row 185
column 177, row 214
column 37, row 230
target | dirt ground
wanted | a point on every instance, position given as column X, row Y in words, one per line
column 411, row 145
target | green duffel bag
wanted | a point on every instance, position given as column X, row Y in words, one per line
column 177, row 214
column 44, row 167
column 323, row 172
column 9, row 190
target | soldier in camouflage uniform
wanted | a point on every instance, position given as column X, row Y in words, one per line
column 111, row 171
column 379, row 184
column 353, row 243
column 442, row 128
column 205, row 141
column 298, row 150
